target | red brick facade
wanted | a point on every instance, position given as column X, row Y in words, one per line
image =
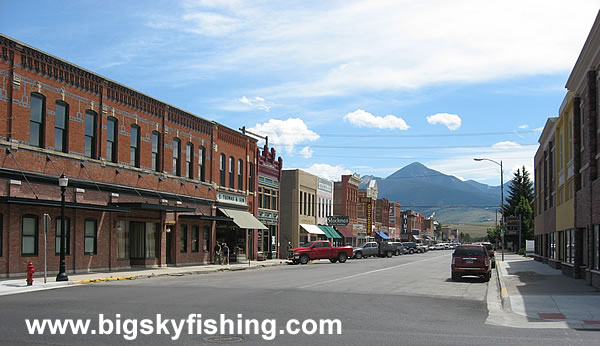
column 127, row 189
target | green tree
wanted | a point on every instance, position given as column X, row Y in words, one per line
column 520, row 203
column 493, row 233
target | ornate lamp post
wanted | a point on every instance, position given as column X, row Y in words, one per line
column 501, row 201
column 63, row 181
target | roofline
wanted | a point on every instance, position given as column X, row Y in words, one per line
column 589, row 53
column 112, row 81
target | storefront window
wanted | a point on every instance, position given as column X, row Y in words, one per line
column 151, row 239
column 123, row 240
column 205, row 240
column 596, row 247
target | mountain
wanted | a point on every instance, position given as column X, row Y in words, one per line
column 425, row 190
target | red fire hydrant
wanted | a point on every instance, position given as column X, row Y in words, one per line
column 30, row 272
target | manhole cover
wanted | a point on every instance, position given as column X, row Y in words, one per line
column 224, row 339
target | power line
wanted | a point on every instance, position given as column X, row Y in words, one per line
column 371, row 147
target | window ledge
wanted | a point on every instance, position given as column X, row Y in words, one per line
column 567, row 264
column 595, row 271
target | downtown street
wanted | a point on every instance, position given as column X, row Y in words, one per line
column 405, row 300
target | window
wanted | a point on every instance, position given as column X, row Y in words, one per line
column 201, row 163
column 189, row 163
column 231, row 170
column 151, row 239
column 36, row 120
column 195, row 238
column 155, row 151
column 142, row 239
column 111, row 140
column 260, row 197
column 183, row 239
column 570, row 121
column 90, row 246
column 123, row 240
column 176, row 156
column 251, row 177
column 67, row 236
column 29, row 236
column 596, row 247
column 134, row 147
column 305, row 204
column 240, row 171
column 90, row 134
column 206, row 241
column 61, row 121
column 222, row 170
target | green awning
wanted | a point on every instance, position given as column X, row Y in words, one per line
column 330, row 232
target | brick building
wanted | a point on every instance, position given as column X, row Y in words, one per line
column 567, row 176
column 395, row 220
column 269, row 180
column 149, row 183
column 345, row 203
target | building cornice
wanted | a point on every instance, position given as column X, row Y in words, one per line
column 588, row 58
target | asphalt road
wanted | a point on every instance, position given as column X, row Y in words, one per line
column 406, row 300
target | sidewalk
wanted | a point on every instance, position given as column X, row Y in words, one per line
column 15, row 286
column 543, row 294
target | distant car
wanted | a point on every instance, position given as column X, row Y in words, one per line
column 422, row 248
column 439, row 246
column 490, row 249
column 411, row 247
column 470, row 260
column 400, row 249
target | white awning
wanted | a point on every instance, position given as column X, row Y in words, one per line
column 243, row 219
column 312, row 229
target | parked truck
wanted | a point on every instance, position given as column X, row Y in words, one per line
column 374, row 248
column 319, row 249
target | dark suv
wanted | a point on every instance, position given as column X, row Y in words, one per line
column 471, row 260
column 411, row 247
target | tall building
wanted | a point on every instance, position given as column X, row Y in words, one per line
column 269, row 181
column 345, row 203
column 149, row 184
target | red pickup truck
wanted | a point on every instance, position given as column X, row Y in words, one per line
column 319, row 249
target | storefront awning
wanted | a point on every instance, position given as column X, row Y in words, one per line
column 312, row 229
column 417, row 237
column 330, row 232
column 152, row 206
column 206, row 217
column 344, row 231
column 382, row 235
column 243, row 219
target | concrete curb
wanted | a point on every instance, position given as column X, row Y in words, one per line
column 504, row 297
column 181, row 273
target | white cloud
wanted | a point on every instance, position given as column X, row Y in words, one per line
column 306, row 152
column 538, row 129
column 361, row 49
column 286, row 133
column 451, row 121
column 362, row 118
column 506, row 145
column 523, row 126
column 257, row 102
column 323, row 170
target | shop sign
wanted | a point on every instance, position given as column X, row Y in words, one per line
column 338, row 220
column 231, row 198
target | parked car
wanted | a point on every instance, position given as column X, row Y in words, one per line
column 422, row 248
column 319, row 249
column 490, row 249
column 411, row 247
column 471, row 260
column 374, row 248
column 439, row 246
column 400, row 249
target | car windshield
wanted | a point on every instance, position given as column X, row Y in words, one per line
column 469, row 251
column 306, row 244
column 361, row 245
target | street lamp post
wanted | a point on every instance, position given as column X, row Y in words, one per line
column 63, row 181
column 501, row 201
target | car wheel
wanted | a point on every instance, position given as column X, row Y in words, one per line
column 487, row 276
column 397, row 253
column 333, row 260
column 358, row 255
column 342, row 257
column 493, row 264
column 389, row 254
column 455, row 277
column 304, row 259
column 411, row 251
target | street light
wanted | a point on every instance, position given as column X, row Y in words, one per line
column 62, row 274
column 501, row 201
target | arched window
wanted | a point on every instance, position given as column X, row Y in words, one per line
column 176, row 156
column 90, row 134
column 134, row 146
column 111, row 139
column 155, row 151
column 201, row 163
column 240, row 173
column 231, row 172
column 222, row 164
column 189, row 160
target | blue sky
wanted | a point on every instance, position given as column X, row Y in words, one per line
column 338, row 86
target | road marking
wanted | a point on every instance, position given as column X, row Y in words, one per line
column 369, row 272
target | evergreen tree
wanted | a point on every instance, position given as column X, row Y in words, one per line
column 520, row 202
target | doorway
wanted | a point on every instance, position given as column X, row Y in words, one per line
column 169, row 243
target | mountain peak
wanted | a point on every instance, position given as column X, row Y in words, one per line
column 415, row 169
